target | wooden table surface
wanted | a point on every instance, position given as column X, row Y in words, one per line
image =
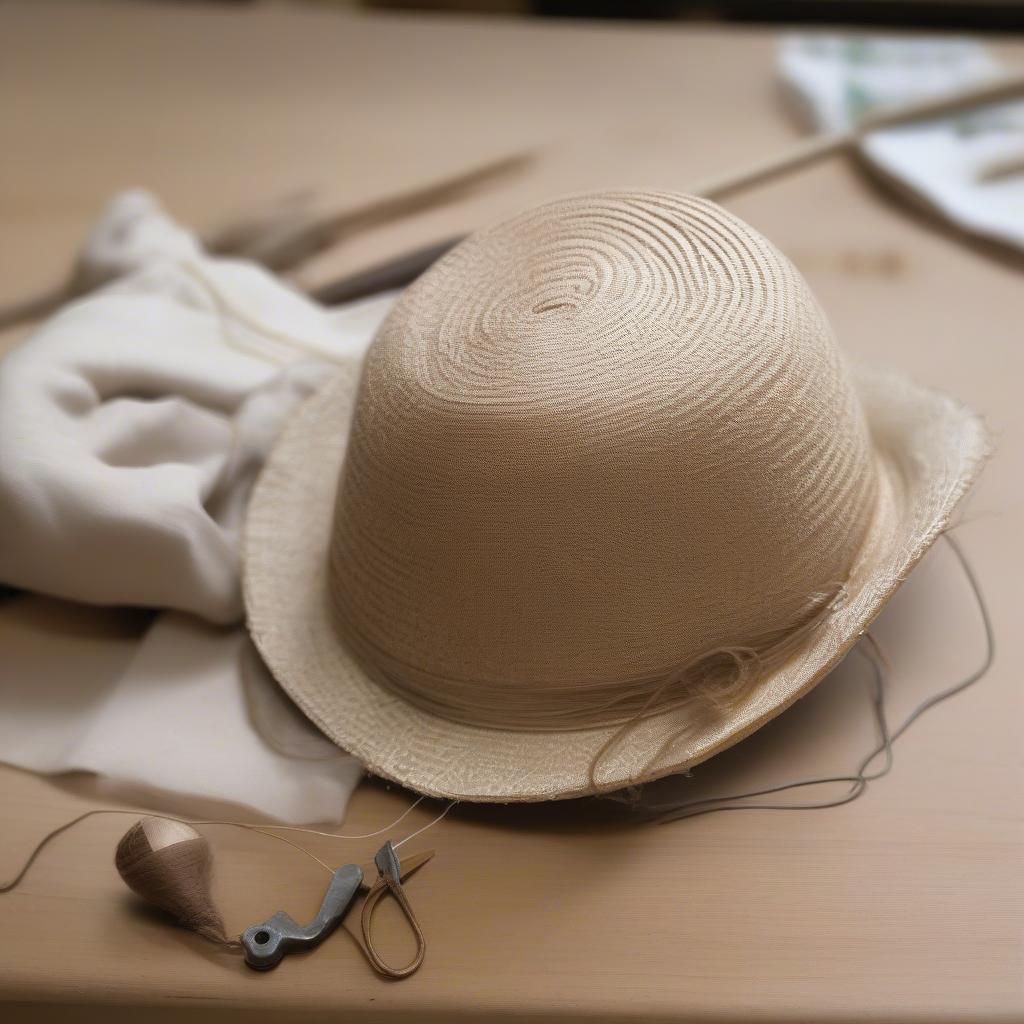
column 903, row 906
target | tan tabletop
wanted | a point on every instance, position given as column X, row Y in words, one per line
column 903, row 906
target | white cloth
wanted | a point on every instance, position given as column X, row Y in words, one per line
column 132, row 426
column 968, row 167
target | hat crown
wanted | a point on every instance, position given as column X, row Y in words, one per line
column 592, row 444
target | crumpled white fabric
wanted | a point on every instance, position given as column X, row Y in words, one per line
column 132, row 426
column 968, row 167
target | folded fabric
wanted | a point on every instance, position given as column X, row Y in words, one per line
column 968, row 167
column 188, row 709
column 132, row 426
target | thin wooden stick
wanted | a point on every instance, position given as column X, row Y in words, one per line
column 287, row 234
column 808, row 151
column 283, row 241
column 393, row 273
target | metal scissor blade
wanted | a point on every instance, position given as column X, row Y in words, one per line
column 409, row 865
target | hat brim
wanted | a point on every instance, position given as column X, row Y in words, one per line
column 929, row 450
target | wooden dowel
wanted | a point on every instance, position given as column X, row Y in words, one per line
column 394, row 273
column 993, row 90
column 808, row 151
column 299, row 235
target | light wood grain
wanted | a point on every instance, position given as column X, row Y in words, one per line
column 904, row 906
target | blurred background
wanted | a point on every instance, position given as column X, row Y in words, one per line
column 1006, row 15
column 979, row 14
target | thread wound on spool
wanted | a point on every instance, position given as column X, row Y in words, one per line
column 169, row 864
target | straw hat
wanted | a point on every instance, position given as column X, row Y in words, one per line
column 605, row 499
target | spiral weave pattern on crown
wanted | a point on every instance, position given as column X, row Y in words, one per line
column 592, row 445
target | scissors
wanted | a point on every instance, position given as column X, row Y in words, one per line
column 267, row 943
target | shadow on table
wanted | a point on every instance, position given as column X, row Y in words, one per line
column 931, row 635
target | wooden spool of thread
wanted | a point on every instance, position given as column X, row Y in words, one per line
column 169, row 864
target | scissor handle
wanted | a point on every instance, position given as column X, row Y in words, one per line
column 266, row 944
column 385, row 883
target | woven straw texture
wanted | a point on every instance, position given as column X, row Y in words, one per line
column 591, row 449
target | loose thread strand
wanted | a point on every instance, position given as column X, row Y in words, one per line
column 227, row 309
column 430, row 824
column 262, row 829
column 859, row 780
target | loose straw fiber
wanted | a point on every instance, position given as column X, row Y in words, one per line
column 606, row 499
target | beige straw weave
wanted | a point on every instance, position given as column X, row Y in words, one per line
column 606, row 500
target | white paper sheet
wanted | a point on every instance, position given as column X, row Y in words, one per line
column 968, row 168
